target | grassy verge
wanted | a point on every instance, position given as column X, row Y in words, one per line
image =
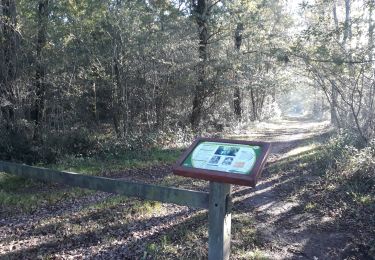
column 189, row 240
column 25, row 195
column 122, row 160
column 18, row 195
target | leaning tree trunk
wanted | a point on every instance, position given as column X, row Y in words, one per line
column 200, row 94
column 38, row 111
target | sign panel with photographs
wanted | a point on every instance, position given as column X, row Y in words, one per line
column 235, row 158
column 231, row 161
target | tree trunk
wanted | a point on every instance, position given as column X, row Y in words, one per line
column 116, row 98
column 201, row 16
column 160, row 105
column 371, row 27
column 237, row 92
column 371, row 96
column 347, row 23
column 237, row 101
column 334, row 94
column 38, row 111
column 334, row 117
column 94, row 109
column 8, row 57
column 254, row 114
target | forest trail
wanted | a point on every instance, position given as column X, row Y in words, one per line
column 275, row 209
column 285, row 228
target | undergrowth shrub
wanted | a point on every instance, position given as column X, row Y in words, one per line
column 349, row 166
column 359, row 167
column 16, row 141
column 353, row 176
column 334, row 152
column 142, row 142
column 77, row 141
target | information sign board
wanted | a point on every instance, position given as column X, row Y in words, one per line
column 221, row 160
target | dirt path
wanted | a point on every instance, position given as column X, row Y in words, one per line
column 285, row 229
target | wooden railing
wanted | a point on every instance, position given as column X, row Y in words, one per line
column 217, row 201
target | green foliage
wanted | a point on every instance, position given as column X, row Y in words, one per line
column 337, row 47
column 335, row 151
column 79, row 142
column 16, row 141
column 18, row 144
column 357, row 165
column 82, row 146
column 130, row 67
column 346, row 154
column 349, row 186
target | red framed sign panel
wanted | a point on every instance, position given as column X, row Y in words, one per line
column 222, row 160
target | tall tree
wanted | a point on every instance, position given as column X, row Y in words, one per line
column 201, row 11
column 40, row 83
column 9, row 44
column 237, row 91
column 333, row 104
column 340, row 61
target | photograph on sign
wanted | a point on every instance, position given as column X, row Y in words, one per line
column 231, row 158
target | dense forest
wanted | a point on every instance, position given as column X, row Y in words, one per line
column 78, row 76
column 107, row 94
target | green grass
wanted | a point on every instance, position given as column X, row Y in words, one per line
column 253, row 255
column 244, row 237
column 143, row 207
column 19, row 195
column 183, row 182
column 120, row 161
column 25, row 195
column 187, row 240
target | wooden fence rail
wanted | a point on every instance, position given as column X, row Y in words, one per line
column 218, row 201
column 195, row 199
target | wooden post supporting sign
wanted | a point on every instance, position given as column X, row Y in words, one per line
column 219, row 221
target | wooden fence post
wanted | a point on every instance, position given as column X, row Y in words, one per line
column 219, row 221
